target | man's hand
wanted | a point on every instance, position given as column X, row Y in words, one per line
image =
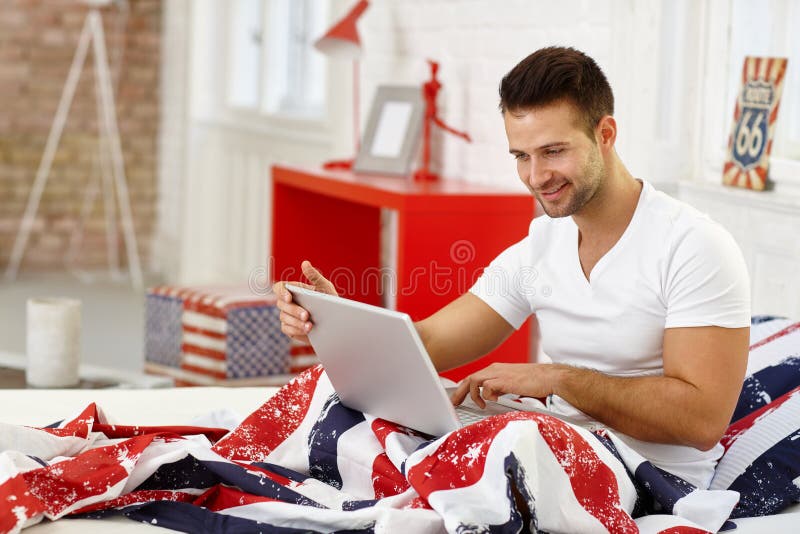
column 295, row 320
column 524, row 379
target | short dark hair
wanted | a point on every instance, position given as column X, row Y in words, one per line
column 558, row 73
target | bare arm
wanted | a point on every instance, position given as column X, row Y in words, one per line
column 465, row 329
column 691, row 404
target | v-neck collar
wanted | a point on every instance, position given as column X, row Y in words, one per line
column 613, row 251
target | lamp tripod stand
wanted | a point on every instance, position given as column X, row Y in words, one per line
column 111, row 159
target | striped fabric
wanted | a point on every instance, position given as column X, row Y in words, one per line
column 304, row 462
column 226, row 333
column 762, row 445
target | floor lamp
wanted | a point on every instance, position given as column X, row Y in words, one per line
column 341, row 41
column 92, row 32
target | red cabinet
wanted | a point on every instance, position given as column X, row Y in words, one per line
column 443, row 234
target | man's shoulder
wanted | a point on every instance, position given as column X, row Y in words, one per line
column 670, row 210
column 684, row 226
column 679, row 219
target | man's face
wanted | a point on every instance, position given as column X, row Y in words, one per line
column 556, row 159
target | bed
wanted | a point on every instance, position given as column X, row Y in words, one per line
column 182, row 406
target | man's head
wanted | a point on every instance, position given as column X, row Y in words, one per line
column 557, row 108
column 557, row 73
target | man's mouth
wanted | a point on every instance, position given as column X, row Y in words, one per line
column 554, row 193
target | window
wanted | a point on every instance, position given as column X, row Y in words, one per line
column 246, row 35
column 274, row 68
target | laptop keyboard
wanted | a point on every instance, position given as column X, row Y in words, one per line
column 467, row 415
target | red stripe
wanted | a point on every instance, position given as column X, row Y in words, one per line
column 777, row 335
column 89, row 474
column 772, row 118
column 780, row 74
column 221, row 497
column 383, row 428
column 138, row 497
column 387, row 480
column 768, row 70
column 743, row 424
column 128, row 431
column 744, row 71
column 16, row 490
column 202, row 371
column 201, row 351
column 761, row 171
column 299, row 350
column 199, row 307
column 593, row 482
column 203, row 332
column 273, row 422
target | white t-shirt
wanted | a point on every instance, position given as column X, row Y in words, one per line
column 672, row 267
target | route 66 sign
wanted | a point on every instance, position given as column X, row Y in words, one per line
column 750, row 142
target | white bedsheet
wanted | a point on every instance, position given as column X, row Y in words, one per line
column 180, row 406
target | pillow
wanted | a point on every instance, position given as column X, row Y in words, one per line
column 762, row 458
column 762, row 444
column 773, row 367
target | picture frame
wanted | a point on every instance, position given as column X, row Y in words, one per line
column 391, row 138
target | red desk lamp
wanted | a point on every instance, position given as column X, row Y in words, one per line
column 342, row 41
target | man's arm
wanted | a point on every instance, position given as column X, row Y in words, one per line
column 465, row 329
column 690, row 405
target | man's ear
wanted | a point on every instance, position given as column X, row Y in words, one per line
column 606, row 132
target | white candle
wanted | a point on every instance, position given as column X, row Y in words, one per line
column 53, row 342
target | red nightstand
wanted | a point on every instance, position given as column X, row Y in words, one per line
column 446, row 233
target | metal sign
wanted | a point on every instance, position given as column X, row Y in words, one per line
column 750, row 142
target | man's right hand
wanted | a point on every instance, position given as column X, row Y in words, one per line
column 295, row 320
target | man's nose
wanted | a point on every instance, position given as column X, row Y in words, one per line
column 538, row 175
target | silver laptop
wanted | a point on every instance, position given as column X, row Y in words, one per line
column 378, row 364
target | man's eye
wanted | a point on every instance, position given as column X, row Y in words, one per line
column 554, row 151
column 520, row 157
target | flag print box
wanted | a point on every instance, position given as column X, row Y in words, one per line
column 214, row 335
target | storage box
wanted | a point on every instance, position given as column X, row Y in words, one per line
column 215, row 335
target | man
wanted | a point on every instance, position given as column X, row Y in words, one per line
column 646, row 316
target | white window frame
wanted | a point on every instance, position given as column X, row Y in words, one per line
column 716, row 114
column 316, row 131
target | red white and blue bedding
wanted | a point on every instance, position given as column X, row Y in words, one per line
column 304, row 462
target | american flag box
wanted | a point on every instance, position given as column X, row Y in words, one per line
column 301, row 357
column 215, row 336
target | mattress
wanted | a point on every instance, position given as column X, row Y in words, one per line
column 181, row 406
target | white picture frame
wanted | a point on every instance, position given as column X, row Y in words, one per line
column 391, row 137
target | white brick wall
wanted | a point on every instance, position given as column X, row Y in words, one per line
column 476, row 42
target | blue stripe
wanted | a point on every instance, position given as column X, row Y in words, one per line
column 766, row 486
column 666, row 488
column 257, row 484
column 323, row 440
column 185, row 473
column 766, row 385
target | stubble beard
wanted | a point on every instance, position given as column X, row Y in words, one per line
column 584, row 188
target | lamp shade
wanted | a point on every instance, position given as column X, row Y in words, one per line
column 342, row 39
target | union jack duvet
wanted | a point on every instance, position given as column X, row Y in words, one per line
column 304, row 462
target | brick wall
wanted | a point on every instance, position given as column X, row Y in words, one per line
column 38, row 39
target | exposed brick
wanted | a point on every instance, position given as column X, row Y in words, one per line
column 38, row 39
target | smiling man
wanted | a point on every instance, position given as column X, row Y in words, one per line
column 642, row 301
